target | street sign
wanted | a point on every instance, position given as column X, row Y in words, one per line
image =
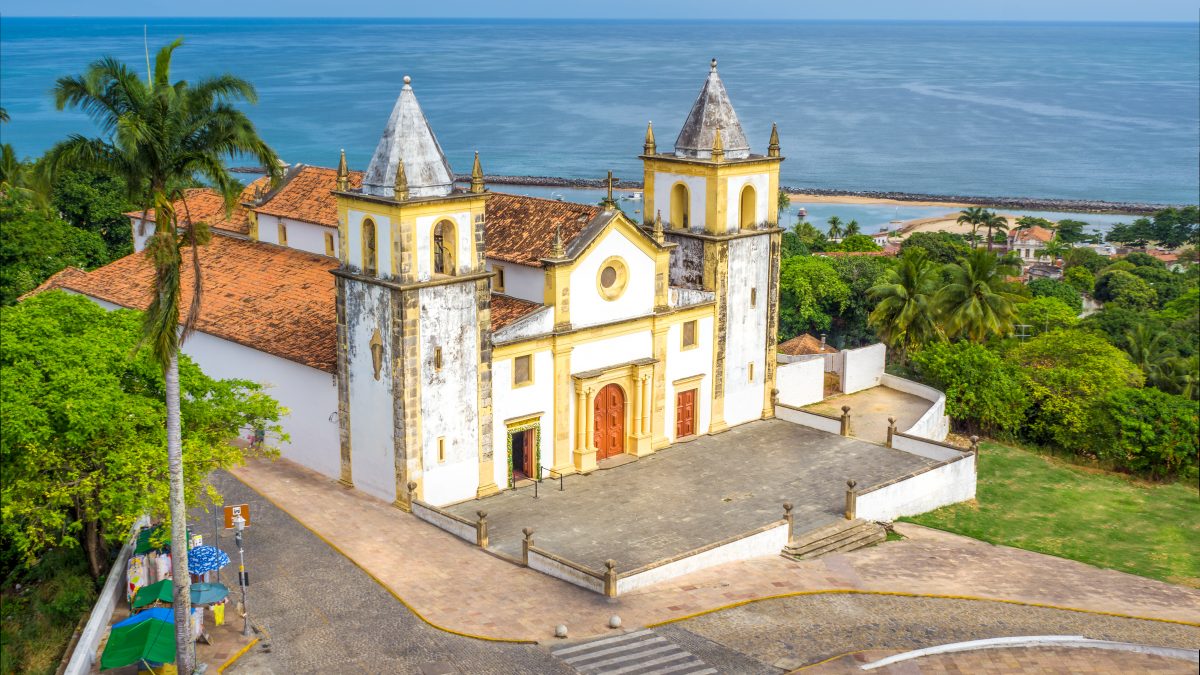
column 234, row 511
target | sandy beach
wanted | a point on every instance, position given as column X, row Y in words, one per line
column 946, row 223
column 803, row 197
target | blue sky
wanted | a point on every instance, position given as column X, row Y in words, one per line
column 1011, row 10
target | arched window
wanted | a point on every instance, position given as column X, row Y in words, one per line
column 443, row 248
column 370, row 259
column 747, row 216
column 679, row 205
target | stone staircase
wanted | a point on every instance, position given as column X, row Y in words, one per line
column 839, row 537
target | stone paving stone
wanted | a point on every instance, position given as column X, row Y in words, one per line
column 792, row 632
column 691, row 495
column 871, row 408
column 1015, row 661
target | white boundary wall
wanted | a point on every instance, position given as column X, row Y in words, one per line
column 442, row 521
column 948, row 483
column 862, row 368
column 917, row 446
column 807, row 419
column 765, row 543
column 556, row 569
column 934, row 424
column 84, row 656
column 801, row 382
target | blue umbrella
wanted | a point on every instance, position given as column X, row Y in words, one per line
column 206, row 559
column 160, row 613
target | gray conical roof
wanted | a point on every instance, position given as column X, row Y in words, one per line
column 711, row 111
column 408, row 138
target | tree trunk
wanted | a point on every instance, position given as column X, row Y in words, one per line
column 91, row 547
column 179, row 552
column 989, row 240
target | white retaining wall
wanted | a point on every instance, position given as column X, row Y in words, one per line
column 934, row 424
column 766, row 543
column 801, row 382
column 807, row 419
column 556, row 569
column 862, row 368
column 919, row 446
column 946, row 484
column 441, row 520
column 84, row 656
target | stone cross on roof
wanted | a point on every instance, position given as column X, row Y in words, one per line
column 408, row 139
column 712, row 111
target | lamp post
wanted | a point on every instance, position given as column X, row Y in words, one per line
column 240, row 524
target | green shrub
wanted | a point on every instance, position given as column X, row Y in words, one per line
column 1044, row 314
column 1125, row 289
column 1147, row 431
column 1049, row 288
column 1080, row 279
column 983, row 391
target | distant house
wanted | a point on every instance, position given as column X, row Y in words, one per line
column 881, row 238
column 1027, row 242
column 1042, row 270
column 804, row 345
column 1169, row 258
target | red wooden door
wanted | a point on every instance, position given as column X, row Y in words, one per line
column 530, row 453
column 685, row 413
column 610, row 422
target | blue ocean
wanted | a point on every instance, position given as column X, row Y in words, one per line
column 1084, row 111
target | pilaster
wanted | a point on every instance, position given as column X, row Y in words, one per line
column 562, row 411
column 407, row 395
column 585, row 457
column 772, row 327
column 487, row 473
column 658, row 387
column 343, row 384
column 716, row 277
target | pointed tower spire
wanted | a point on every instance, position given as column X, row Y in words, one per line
column 476, row 176
column 400, row 188
column 718, row 148
column 650, row 148
column 408, row 138
column 658, row 226
column 711, row 111
column 343, row 174
column 773, row 145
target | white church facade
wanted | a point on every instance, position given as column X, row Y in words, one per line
column 462, row 339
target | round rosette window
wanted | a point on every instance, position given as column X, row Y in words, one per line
column 613, row 277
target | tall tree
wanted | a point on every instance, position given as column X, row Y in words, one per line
column 994, row 222
column 1151, row 351
column 973, row 303
column 158, row 135
column 853, row 228
column 835, row 227
column 973, row 216
column 905, row 316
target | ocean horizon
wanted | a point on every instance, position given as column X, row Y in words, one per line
column 1097, row 111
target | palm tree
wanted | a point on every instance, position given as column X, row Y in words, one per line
column 835, row 227
column 1055, row 249
column 1150, row 352
column 973, row 303
column 158, row 136
column 904, row 314
column 972, row 216
column 852, row 228
column 994, row 221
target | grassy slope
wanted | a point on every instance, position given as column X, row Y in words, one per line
column 1042, row 504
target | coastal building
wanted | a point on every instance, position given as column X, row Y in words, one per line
column 460, row 339
column 1028, row 241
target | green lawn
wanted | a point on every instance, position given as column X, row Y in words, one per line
column 1043, row 504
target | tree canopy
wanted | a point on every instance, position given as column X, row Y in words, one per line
column 36, row 244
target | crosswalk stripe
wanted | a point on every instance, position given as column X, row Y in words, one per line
column 588, row 656
column 665, row 659
column 635, row 655
column 676, row 668
column 596, row 643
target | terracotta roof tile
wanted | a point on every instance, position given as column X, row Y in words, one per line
column 521, row 229
column 205, row 205
column 804, row 344
column 507, row 309
column 57, row 280
column 307, row 195
column 1035, row 233
column 270, row 298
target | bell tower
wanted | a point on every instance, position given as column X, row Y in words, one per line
column 718, row 201
column 413, row 316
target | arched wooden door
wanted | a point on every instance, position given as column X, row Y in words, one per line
column 610, row 422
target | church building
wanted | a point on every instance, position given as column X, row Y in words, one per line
column 463, row 339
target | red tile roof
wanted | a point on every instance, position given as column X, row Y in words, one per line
column 270, row 298
column 507, row 309
column 1035, row 233
column 521, row 229
column 206, row 205
column 306, row 194
column 804, row 344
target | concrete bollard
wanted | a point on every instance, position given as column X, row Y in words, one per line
column 851, row 499
column 787, row 515
column 891, row 430
column 845, row 420
column 481, row 530
column 610, row 578
column 525, row 545
column 975, row 451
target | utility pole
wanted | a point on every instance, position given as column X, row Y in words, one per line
column 240, row 524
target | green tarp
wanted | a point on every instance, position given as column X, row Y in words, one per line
column 152, row 641
column 161, row 591
column 148, row 537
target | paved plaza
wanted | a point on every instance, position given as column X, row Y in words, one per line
column 692, row 494
column 871, row 408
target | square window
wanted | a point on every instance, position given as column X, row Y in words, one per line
column 689, row 334
column 282, row 234
column 498, row 279
column 522, row 370
column 329, row 244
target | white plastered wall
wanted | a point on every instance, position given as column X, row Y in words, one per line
column 588, row 307
column 862, row 368
column 665, row 181
column 521, row 281
column 463, row 233
column 372, row 410
column 300, row 235
column 746, row 328
column 801, row 382
column 515, row 403
column 140, row 236
column 449, row 396
column 686, row 363
column 733, row 199
column 383, row 241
